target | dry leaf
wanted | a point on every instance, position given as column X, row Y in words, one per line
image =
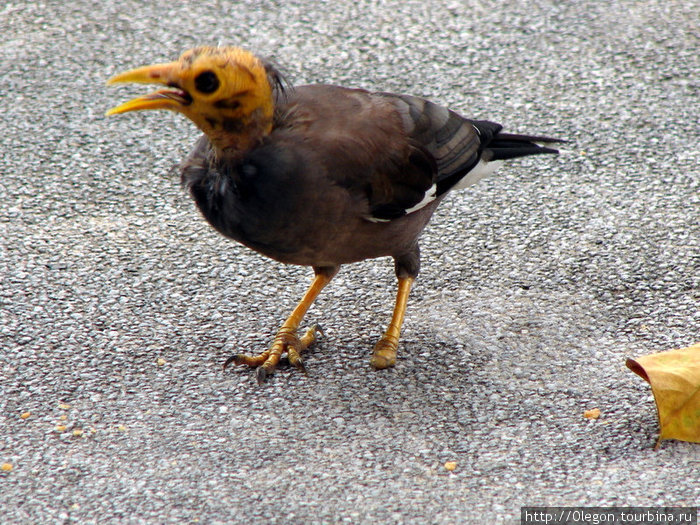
column 674, row 377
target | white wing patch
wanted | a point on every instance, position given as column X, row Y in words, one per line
column 427, row 199
column 478, row 172
column 481, row 170
column 376, row 219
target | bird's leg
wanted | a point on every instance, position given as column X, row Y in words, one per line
column 384, row 354
column 286, row 339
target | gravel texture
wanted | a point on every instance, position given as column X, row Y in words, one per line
column 118, row 303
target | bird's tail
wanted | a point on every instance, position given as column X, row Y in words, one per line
column 503, row 146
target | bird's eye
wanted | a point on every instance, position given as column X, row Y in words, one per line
column 206, row 82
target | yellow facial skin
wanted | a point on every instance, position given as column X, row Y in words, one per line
column 225, row 91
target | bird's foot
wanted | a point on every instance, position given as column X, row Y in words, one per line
column 287, row 341
column 384, row 354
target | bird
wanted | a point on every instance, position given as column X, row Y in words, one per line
column 319, row 175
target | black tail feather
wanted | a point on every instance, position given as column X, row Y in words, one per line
column 503, row 146
column 508, row 149
column 529, row 138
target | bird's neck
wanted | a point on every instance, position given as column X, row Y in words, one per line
column 233, row 137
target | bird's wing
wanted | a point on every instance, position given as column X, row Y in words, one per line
column 360, row 140
column 453, row 141
column 465, row 150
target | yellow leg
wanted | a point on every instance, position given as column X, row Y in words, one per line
column 286, row 339
column 384, row 354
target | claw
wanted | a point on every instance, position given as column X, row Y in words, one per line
column 250, row 360
column 231, row 359
column 261, row 374
column 296, row 359
column 310, row 336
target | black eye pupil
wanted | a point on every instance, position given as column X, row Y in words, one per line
column 206, row 82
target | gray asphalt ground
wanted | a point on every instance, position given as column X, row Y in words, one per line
column 119, row 303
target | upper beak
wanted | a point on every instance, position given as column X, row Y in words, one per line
column 174, row 98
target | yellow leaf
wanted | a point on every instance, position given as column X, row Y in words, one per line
column 674, row 377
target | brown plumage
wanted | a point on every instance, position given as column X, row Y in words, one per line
column 319, row 175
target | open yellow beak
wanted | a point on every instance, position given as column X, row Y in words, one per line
column 174, row 98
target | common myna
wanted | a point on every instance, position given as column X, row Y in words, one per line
column 319, row 175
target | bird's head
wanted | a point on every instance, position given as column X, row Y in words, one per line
column 226, row 91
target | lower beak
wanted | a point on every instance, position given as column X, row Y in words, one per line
column 173, row 98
